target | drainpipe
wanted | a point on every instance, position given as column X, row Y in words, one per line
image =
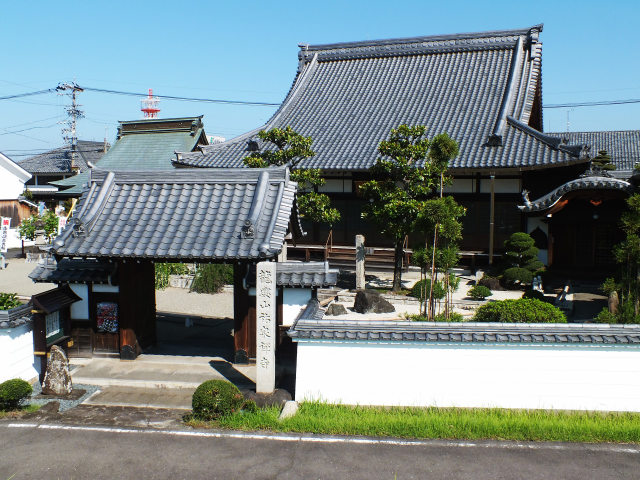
column 492, row 217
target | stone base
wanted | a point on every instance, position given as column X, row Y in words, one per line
column 278, row 398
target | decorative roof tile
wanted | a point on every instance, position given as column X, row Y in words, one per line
column 311, row 326
column 222, row 214
column 302, row 274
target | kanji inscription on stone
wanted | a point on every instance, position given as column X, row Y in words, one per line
column 266, row 327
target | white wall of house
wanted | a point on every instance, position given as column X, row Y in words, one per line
column 12, row 178
column 16, row 354
column 80, row 309
column 294, row 300
column 531, row 376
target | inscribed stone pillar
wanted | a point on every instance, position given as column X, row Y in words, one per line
column 360, row 281
column 266, row 327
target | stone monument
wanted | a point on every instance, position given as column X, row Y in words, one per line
column 266, row 327
column 57, row 379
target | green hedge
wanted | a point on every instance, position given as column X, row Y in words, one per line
column 422, row 286
column 211, row 277
column 13, row 392
column 479, row 292
column 522, row 310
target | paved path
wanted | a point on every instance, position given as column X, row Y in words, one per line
column 83, row 451
column 14, row 279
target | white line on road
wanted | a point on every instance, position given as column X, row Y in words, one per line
column 352, row 440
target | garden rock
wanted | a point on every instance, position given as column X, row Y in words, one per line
column 279, row 397
column 57, row 379
column 336, row 309
column 369, row 301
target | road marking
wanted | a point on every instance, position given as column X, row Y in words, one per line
column 306, row 438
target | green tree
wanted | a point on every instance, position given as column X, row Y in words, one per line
column 627, row 254
column 405, row 177
column 602, row 161
column 520, row 260
column 287, row 147
column 48, row 222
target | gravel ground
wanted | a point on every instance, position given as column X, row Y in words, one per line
column 180, row 300
column 64, row 404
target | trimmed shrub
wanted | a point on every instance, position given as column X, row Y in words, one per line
column 8, row 301
column 515, row 277
column 216, row 398
column 523, row 310
column 424, row 285
column 454, row 317
column 479, row 292
column 163, row 270
column 13, row 392
column 531, row 293
column 211, row 277
column 492, row 283
column 605, row 316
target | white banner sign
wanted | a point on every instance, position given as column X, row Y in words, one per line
column 4, row 233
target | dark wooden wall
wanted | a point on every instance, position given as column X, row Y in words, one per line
column 137, row 304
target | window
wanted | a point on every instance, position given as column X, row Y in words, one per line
column 52, row 324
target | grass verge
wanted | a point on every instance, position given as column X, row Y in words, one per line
column 441, row 423
column 18, row 413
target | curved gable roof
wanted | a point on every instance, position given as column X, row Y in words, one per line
column 348, row 96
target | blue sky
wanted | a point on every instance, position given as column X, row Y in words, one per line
column 248, row 51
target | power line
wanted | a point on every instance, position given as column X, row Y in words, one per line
column 28, row 94
column 184, row 99
column 593, row 104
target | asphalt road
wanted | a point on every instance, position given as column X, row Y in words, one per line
column 67, row 452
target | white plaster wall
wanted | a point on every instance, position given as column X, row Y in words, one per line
column 16, row 354
column 80, row 309
column 101, row 287
column 582, row 377
column 502, row 185
column 10, row 185
column 14, row 240
column 460, row 185
column 294, row 300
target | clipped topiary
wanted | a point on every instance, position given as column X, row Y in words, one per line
column 216, row 398
column 515, row 277
column 13, row 392
column 522, row 310
column 531, row 293
column 479, row 292
column 422, row 286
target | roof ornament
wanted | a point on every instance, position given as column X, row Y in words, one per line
column 248, row 231
column 525, row 197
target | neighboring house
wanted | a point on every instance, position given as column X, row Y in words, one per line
column 12, row 184
column 57, row 164
column 143, row 145
column 483, row 89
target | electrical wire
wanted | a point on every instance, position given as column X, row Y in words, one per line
column 28, row 94
column 184, row 99
column 593, row 104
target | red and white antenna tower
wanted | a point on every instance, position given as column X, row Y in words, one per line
column 149, row 105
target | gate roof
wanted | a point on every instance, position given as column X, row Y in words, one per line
column 183, row 215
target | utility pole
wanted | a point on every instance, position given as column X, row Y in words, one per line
column 69, row 133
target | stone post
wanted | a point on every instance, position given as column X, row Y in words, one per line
column 266, row 327
column 360, row 254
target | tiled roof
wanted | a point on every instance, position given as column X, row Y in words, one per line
column 73, row 270
column 144, row 145
column 302, row 274
column 347, row 97
column 55, row 299
column 311, row 327
column 59, row 160
column 589, row 182
column 15, row 317
column 196, row 214
column 622, row 146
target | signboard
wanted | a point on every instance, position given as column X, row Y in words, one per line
column 4, row 233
